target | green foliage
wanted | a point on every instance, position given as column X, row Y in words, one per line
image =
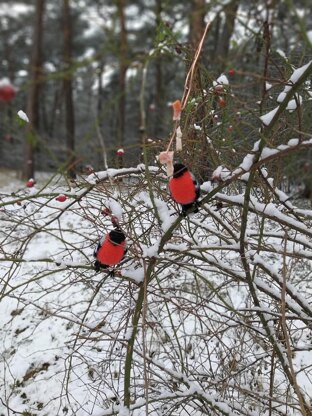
column 165, row 34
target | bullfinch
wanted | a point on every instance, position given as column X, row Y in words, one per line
column 184, row 188
column 110, row 250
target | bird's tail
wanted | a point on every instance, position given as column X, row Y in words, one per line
column 190, row 208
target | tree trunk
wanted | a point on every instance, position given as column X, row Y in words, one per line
column 55, row 105
column 68, row 91
column 123, row 66
column 158, row 130
column 100, row 86
column 32, row 106
column 197, row 22
column 230, row 11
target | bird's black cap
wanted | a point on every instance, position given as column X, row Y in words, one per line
column 178, row 170
column 116, row 236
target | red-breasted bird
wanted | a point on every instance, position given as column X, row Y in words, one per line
column 184, row 188
column 110, row 250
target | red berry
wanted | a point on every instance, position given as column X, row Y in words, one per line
column 61, row 198
column 218, row 89
column 114, row 220
column 30, row 183
column 232, row 72
column 7, row 92
column 106, row 211
column 222, row 102
column 89, row 169
column 120, row 152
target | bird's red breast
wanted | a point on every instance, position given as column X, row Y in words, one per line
column 183, row 189
column 110, row 254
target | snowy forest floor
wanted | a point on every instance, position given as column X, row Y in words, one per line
column 65, row 330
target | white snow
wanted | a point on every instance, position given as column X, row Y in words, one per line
column 221, row 173
column 111, row 173
column 267, row 118
column 23, row 116
column 222, row 79
column 281, row 97
column 9, row 9
column 268, row 152
column 63, row 324
column 124, row 411
column 5, row 81
column 206, row 186
column 247, row 162
column 150, row 251
column 292, row 143
column 281, row 53
column 115, row 208
column 134, row 274
column 164, row 214
column 292, row 104
column 299, row 72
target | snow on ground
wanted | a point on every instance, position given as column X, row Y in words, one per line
column 64, row 329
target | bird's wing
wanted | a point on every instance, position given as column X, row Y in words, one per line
column 99, row 245
column 196, row 184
